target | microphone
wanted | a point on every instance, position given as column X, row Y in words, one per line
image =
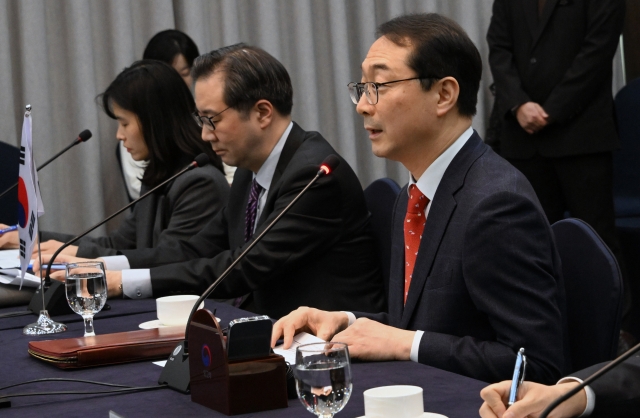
column 597, row 375
column 176, row 371
column 82, row 137
column 54, row 298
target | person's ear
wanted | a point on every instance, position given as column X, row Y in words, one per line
column 263, row 110
column 448, row 91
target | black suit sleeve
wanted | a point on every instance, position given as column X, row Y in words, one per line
column 593, row 62
column 192, row 200
column 618, row 391
column 502, row 61
column 509, row 275
column 311, row 227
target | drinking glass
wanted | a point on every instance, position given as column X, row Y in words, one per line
column 323, row 377
column 86, row 290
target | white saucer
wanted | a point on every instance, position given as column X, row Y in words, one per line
column 424, row 415
column 156, row 324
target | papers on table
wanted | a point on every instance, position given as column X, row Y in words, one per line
column 12, row 276
column 298, row 340
column 9, row 259
column 10, row 270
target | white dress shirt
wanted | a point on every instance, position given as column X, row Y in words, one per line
column 136, row 283
column 428, row 185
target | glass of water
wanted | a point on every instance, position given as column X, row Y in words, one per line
column 323, row 377
column 86, row 290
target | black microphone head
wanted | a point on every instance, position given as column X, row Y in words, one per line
column 330, row 163
column 202, row 160
column 84, row 135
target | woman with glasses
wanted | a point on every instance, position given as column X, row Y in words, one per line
column 153, row 107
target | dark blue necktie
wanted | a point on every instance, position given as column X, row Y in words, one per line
column 252, row 210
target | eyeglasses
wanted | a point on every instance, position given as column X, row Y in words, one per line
column 206, row 120
column 370, row 88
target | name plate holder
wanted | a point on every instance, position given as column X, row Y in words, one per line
column 236, row 387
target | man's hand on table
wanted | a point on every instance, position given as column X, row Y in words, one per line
column 51, row 246
column 532, row 399
column 114, row 278
column 371, row 340
column 322, row 324
column 368, row 340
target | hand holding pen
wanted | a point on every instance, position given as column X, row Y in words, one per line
column 8, row 229
column 518, row 376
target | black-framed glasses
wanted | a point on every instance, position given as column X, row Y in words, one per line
column 206, row 120
column 370, row 88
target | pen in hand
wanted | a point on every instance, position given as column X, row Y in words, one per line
column 518, row 376
column 9, row 229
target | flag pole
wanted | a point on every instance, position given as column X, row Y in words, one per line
column 44, row 324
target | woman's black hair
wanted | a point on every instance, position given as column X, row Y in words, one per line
column 156, row 94
column 165, row 45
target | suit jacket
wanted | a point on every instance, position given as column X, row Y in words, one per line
column 487, row 278
column 618, row 391
column 174, row 212
column 562, row 61
column 320, row 254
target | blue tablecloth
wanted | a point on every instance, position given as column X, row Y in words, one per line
column 445, row 393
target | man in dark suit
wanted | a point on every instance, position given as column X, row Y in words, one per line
column 481, row 277
column 321, row 253
column 615, row 394
column 551, row 62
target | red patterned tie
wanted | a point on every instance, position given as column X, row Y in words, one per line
column 413, row 226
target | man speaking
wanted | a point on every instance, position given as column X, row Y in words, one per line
column 474, row 271
column 321, row 253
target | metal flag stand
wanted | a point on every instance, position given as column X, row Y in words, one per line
column 44, row 324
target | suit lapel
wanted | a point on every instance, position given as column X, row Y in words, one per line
column 294, row 140
column 442, row 208
column 549, row 7
column 396, row 286
column 531, row 15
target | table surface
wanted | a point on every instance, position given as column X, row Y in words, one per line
column 444, row 392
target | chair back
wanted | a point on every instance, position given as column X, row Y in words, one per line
column 626, row 176
column 9, row 160
column 380, row 197
column 593, row 288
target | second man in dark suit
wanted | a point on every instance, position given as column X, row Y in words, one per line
column 321, row 253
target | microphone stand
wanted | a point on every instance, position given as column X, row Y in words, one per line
column 54, row 298
column 84, row 136
column 590, row 380
column 176, row 370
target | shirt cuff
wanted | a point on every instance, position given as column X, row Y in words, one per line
column 351, row 316
column 415, row 346
column 116, row 262
column 136, row 284
column 591, row 396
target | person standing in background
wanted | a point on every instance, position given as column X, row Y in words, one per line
column 551, row 62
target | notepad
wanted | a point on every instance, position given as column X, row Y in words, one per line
column 298, row 340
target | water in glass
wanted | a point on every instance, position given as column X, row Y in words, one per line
column 323, row 378
column 86, row 291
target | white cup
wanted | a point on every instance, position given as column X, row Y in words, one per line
column 175, row 310
column 399, row 401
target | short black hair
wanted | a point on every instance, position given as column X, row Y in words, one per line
column 163, row 104
column 251, row 74
column 165, row 45
column 441, row 48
